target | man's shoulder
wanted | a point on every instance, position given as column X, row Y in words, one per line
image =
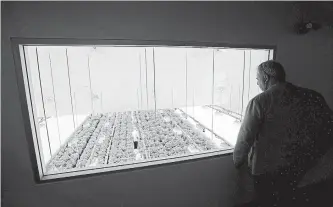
column 268, row 93
column 301, row 91
column 265, row 97
column 260, row 98
column 309, row 93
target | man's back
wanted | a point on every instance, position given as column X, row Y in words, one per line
column 295, row 129
column 286, row 129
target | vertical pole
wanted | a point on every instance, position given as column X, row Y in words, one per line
column 138, row 98
column 70, row 87
column 213, row 92
column 140, row 79
column 54, row 97
column 102, row 102
column 193, row 103
column 41, row 90
column 91, row 93
column 146, row 77
column 248, row 91
column 230, row 99
column 186, row 81
column 172, row 97
column 154, row 81
column 240, row 99
column 243, row 86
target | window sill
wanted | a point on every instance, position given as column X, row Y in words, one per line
column 89, row 172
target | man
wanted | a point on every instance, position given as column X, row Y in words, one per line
column 285, row 130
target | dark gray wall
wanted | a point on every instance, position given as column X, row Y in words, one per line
column 307, row 59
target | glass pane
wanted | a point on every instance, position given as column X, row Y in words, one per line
column 80, row 82
column 229, row 80
column 49, row 98
column 115, row 105
column 228, row 90
column 37, row 99
column 170, row 74
column 62, row 80
column 115, row 79
column 200, row 95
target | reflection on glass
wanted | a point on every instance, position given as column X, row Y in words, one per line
column 114, row 105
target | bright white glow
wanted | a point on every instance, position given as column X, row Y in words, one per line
column 76, row 83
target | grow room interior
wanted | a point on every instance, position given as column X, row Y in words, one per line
column 115, row 105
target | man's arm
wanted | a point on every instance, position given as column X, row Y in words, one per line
column 247, row 133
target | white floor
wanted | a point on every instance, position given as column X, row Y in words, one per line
column 223, row 125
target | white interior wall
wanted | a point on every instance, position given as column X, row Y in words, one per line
column 110, row 79
column 208, row 182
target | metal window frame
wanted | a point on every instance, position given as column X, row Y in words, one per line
column 27, row 104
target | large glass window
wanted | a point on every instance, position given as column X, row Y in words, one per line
column 106, row 106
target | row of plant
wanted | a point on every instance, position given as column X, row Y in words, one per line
column 69, row 153
column 196, row 135
column 97, row 147
column 122, row 149
column 102, row 147
column 84, row 157
column 159, row 136
column 141, row 148
column 165, row 114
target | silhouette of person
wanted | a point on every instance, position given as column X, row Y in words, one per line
column 285, row 130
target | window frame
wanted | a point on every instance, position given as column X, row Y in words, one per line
column 27, row 104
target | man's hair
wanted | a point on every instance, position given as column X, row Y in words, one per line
column 273, row 69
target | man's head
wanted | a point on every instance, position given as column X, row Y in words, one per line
column 270, row 73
